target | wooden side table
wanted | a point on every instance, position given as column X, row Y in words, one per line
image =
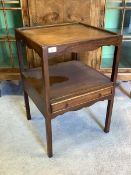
column 68, row 85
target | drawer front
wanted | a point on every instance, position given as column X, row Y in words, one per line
column 81, row 99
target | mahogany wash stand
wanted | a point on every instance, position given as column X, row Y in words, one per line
column 70, row 85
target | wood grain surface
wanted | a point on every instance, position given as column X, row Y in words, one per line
column 66, row 34
column 45, row 12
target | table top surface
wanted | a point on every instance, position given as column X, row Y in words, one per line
column 64, row 34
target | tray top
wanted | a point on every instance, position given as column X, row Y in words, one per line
column 64, row 34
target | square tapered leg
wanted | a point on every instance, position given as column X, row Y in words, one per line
column 49, row 137
column 108, row 115
column 27, row 106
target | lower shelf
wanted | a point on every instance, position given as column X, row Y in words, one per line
column 71, row 83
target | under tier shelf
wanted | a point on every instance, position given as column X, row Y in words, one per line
column 70, row 79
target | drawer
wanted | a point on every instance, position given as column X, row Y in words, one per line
column 80, row 99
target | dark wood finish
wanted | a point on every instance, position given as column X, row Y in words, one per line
column 27, row 106
column 49, row 136
column 66, row 86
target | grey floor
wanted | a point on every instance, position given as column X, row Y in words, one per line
column 80, row 145
column 11, row 87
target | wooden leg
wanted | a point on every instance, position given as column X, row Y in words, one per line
column 27, row 105
column 108, row 115
column 49, row 137
column 113, row 79
column 74, row 56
